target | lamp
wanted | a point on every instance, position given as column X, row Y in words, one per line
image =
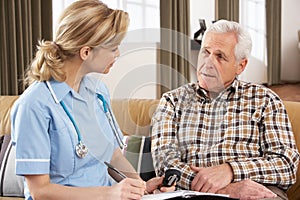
column 200, row 32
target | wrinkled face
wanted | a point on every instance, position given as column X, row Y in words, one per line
column 100, row 59
column 217, row 66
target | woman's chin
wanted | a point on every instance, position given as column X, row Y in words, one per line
column 107, row 69
column 105, row 72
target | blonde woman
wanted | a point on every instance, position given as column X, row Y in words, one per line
column 62, row 126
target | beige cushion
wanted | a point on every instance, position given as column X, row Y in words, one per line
column 134, row 115
column 11, row 198
column 5, row 106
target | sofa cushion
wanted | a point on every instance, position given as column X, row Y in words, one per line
column 6, row 103
column 10, row 183
column 138, row 153
column 135, row 115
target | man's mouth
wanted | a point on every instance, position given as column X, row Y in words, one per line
column 208, row 75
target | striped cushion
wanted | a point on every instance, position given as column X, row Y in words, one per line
column 138, row 153
column 10, row 184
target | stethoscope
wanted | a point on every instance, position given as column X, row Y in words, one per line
column 81, row 149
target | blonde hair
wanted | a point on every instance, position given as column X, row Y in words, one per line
column 84, row 23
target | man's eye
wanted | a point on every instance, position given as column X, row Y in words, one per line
column 220, row 56
column 204, row 52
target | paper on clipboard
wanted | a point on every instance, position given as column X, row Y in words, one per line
column 178, row 193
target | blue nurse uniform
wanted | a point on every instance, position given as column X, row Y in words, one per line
column 45, row 138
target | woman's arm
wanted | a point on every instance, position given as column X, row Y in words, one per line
column 123, row 165
column 41, row 188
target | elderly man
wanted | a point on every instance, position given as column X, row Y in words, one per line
column 223, row 134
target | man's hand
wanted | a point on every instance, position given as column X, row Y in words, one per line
column 212, row 179
column 247, row 189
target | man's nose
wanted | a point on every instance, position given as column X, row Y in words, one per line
column 209, row 63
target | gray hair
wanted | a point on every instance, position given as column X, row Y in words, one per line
column 244, row 43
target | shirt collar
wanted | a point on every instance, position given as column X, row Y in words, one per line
column 226, row 94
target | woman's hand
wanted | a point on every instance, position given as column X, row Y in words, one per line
column 128, row 188
column 155, row 185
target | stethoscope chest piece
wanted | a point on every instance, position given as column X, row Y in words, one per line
column 81, row 150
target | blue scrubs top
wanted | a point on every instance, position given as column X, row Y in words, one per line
column 45, row 138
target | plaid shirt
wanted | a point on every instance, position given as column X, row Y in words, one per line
column 245, row 126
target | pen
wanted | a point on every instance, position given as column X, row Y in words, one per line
column 116, row 174
column 120, row 175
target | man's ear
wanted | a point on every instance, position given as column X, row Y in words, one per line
column 84, row 52
column 241, row 66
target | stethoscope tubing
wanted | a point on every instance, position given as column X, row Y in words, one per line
column 111, row 120
column 72, row 120
column 106, row 110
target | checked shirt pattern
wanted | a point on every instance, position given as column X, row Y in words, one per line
column 246, row 126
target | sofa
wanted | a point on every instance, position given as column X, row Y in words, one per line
column 133, row 116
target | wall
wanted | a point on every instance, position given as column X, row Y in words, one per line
column 134, row 73
column 290, row 54
column 201, row 9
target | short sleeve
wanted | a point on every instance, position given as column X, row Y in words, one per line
column 31, row 138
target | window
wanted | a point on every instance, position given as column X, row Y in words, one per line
column 253, row 17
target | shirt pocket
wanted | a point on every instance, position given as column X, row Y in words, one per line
column 62, row 152
column 244, row 127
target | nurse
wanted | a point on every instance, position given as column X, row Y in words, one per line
column 62, row 125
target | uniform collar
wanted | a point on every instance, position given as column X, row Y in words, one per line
column 58, row 89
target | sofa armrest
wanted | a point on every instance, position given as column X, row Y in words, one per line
column 293, row 110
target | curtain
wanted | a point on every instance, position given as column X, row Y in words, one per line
column 227, row 9
column 23, row 23
column 174, row 53
column 273, row 21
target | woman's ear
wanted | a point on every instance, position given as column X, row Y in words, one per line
column 241, row 67
column 84, row 52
